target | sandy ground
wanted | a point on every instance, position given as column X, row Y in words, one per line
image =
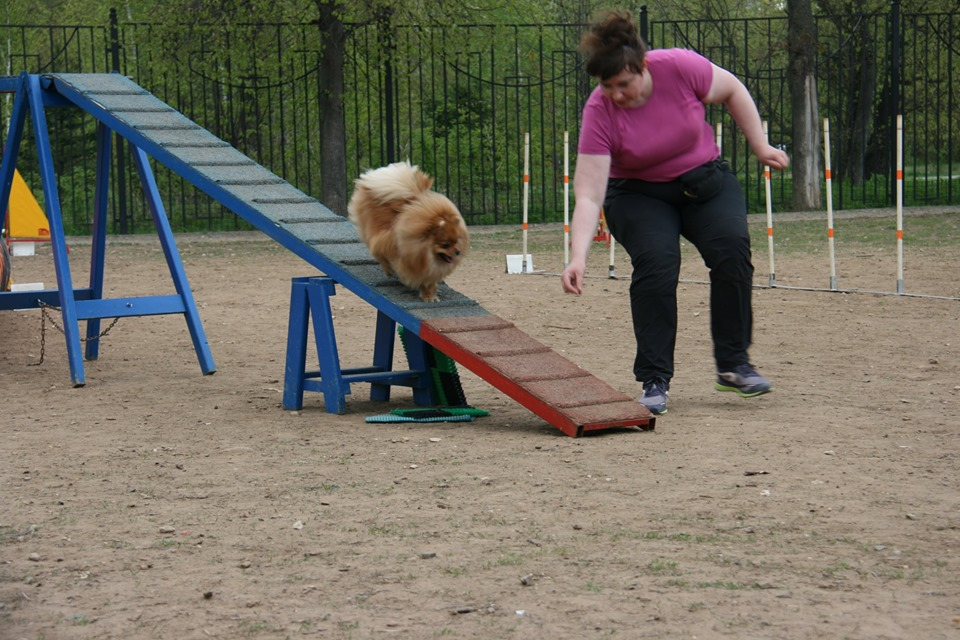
column 156, row 502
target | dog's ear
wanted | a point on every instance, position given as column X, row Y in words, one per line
column 424, row 181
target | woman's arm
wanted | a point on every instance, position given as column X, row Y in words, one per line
column 589, row 189
column 727, row 89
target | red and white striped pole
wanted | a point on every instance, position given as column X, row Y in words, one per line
column 526, row 197
column 611, row 270
column 900, row 204
column 829, row 180
column 769, row 194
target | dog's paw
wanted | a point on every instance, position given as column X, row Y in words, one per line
column 428, row 293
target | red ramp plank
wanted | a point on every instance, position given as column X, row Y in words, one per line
column 542, row 380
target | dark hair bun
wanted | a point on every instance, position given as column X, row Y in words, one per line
column 612, row 44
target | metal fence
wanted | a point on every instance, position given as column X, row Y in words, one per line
column 459, row 101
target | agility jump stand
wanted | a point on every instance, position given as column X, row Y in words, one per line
column 88, row 303
column 310, row 300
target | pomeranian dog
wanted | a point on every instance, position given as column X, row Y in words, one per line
column 414, row 233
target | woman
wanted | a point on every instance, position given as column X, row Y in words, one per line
column 648, row 157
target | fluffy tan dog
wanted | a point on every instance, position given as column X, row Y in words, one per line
column 413, row 232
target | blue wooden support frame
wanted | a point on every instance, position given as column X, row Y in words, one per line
column 51, row 197
column 88, row 303
column 99, row 240
column 310, row 301
column 172, row 255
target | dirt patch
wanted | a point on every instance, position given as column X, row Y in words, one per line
column 156, row 502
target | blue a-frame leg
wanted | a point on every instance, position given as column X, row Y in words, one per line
column 88, row 304
column 162, row 224
column 310, row 301
column 99, row 240
column 48, row 178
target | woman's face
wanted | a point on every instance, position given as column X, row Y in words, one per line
column 626, row 89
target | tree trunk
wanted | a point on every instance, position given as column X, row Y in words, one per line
column 805, row 160
column 861, row 117
column 333, row 138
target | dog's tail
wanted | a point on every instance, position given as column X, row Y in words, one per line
column 397, row 181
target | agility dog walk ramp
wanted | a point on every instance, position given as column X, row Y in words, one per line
column 543, row 381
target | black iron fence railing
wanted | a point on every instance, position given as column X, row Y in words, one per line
column 459, row 102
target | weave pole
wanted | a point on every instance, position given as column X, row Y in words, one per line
column 720, row 138
column 900, row 288
column 769, row 193
column 611, row 271
column 526, row 197
column 566, row 199
column 829, row 180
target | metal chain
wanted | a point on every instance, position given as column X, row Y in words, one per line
column 45, row 315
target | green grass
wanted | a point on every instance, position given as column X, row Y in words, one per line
column 255, row 628
column 167, row 543
column 919, row 231
column 510, row 559
column 662, row 566
column 871, row 194
column 791, row 233
column 11, row 534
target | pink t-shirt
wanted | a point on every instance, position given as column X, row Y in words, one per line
column 664, row 137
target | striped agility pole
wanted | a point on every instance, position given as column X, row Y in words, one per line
column 769, row 194
column 526, row 197
column 829, row 180
column 900, row 288
column 611, row 270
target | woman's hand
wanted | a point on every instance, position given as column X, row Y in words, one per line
column 572, row 277
column 772, row 157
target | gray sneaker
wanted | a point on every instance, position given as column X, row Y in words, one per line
column 744, row 381
column 655, row 394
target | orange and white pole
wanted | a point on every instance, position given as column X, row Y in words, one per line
column 526, row 197
column 720, row 138
column 769, row 194
column 829, row 180
column 566, row 199
column 611, row 270
column 899, row 204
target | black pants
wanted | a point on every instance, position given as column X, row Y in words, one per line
column 648, row 219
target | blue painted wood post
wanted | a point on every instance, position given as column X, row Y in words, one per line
column 297, row 330
column 98, row 248
column 48, row 177
column 331, row 384
column 383, row 345
column 174, row 263
column 418, row 358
